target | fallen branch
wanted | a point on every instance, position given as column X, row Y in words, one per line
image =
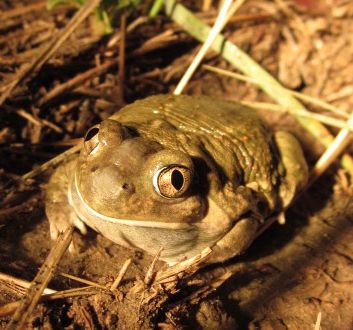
column 121, row 274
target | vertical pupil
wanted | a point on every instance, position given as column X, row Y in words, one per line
column 177, row 179
column 91, row 133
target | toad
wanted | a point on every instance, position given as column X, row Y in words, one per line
column 178, row 172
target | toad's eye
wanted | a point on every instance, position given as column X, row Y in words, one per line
column 172, row 181
column 91, row 139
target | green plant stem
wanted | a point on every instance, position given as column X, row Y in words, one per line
column 156, row 8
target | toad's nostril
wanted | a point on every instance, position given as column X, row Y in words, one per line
column 128, row 188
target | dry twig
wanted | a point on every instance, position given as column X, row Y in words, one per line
column 121, row 274
column 10, row 308
column 336, row 148
column 189, row 265
column 17, row 283
column 41, row 280
column 150, row 272
column 84, row 281
column 75, row 82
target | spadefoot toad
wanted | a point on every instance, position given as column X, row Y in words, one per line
column 179, row 172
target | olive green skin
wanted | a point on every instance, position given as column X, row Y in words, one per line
column 241, row 172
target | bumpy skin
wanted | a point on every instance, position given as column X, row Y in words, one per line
column 240, row 172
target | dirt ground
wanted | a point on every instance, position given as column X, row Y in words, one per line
column 292, row 275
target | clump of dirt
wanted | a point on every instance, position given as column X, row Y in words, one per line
column 290, row 275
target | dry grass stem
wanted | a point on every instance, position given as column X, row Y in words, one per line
column 300, row 96
column 318, row 322
column 206, row 5
column 121, row 274
column 40, row 282
column 132, row 26
column 35, row 121
column 158, row 41
column 76, row 81
column 150, row 272
column 221, row 21
column 239, row 18
column 183, row 266
column 337, row 147
column 82, row 280
column 10, row 308
column 18, row 283
column 299, row 112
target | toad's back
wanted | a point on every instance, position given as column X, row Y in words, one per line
column 235, row 136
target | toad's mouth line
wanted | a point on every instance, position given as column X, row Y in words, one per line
column 80, row 206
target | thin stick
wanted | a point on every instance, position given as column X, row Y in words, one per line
column 14, row 281
column 35, row 121
column 60, row 38
column 10, row 308
column 318, row 322
column 150, row 271
column 216, row 29
column 301, row 96
column 299, row 112
column 132, row 26
column 41, row 280
column 121, row 274
column 51, row 163
column 339, row 144
column 75, row 82
column 164, row 275
column 122, row 49
column 82, row 280
column 206, row 5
